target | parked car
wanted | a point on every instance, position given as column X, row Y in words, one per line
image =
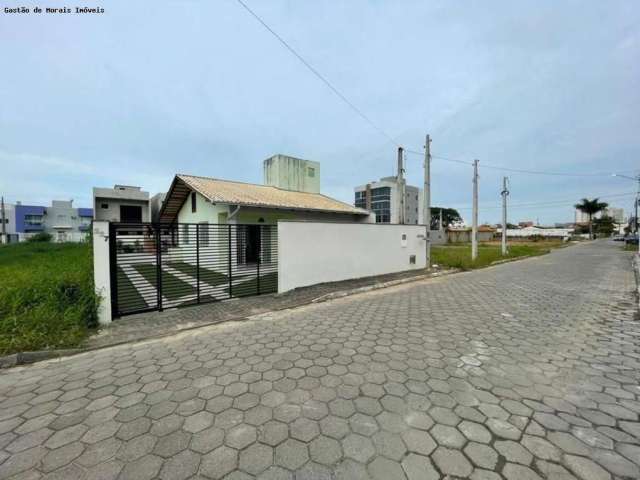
column 618, row 238
column 631, row 239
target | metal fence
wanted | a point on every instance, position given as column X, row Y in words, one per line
column 157, row 266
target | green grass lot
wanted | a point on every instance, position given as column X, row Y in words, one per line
column 46, row 296
column 630, row 248
column 459, row 255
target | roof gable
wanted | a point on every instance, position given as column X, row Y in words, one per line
column 248, row 194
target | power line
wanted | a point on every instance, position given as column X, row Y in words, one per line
column 313, row 70
column 551, row 204
column 517, row 170
column 379, row 129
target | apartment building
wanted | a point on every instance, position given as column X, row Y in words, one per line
column 385, row 198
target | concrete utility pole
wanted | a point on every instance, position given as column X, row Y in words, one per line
column 635, row 179
column 3, row 236
column 474, row 225
column 401, row 194
column 427, row 196
column 505, row 193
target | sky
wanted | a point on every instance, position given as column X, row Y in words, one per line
column 150, row 89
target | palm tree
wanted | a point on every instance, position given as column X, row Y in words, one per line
column 591, row 207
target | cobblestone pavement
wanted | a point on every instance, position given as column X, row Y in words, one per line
column 523, row 371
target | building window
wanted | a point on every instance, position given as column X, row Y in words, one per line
column 185, row 234
column 104, row 205
column 193, row 202
column 203, row 230
column 311, row 172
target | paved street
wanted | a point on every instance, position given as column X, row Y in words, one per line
column 523, row 371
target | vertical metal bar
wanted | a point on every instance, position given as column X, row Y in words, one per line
column 113, row 267
column 197, row 259
column 230, row 274
column 158, row 267
column 259, row 240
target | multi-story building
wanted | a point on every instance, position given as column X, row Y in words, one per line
column 385, row 198
column 616, row 213
column 62, row 220
column 122, row 203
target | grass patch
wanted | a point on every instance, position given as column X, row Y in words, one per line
column 630, row 248
column 459, row 255
column 47, row 298
column 129, row 299
column 172, row 287
column 211, row 277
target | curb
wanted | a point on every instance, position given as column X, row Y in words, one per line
column 377, row 286
column 25, row 358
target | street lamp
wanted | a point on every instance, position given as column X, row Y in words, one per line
column 635, row 179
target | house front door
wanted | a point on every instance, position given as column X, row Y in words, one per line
column 252, row 245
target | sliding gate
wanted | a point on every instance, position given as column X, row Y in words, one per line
column 157, row 266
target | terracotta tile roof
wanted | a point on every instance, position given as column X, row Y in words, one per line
column 249, row 194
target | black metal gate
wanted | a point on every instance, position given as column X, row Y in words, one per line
column 157, row 266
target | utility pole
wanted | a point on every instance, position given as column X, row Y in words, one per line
column 3, row 236
column 401, row 190
column 505, row 193
column 427, row 196
column 474, row 225
column 440, row 222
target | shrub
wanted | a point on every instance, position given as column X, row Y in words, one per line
column 40, row 237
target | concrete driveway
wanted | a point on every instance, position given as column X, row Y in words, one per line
column 523, row 371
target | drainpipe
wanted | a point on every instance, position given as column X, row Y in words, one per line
column 233, row 214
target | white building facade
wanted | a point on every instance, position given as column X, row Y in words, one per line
column 385, row 198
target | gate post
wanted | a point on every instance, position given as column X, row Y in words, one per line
column 260, row 230
column 230, row 271
column 197, row 259
column 104, row 270
column 157, row 229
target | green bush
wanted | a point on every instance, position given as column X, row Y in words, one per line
column 40, row 237
column 47, row 297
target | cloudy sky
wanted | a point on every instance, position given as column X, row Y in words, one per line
column 148, row 89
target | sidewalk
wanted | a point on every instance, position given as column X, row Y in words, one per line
column 157, row 324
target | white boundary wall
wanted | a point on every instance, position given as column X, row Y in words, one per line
column 316, row 252
column 101, row 270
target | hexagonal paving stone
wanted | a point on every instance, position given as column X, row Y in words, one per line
column 198, row 422
column 384, row 469
column 447, row 436
column 144, row 468
column 452, row 462
column 481, row 455
column 325, row 450
column 273, row 433
column 304, row 429
column 240, row 436
column 358, row 448
column 219, row 462
column 389, row 445
column 256, row 458
column 291, row 454
column 207, row 440
column 419, row 441
column 181, row 466
column 171, row 444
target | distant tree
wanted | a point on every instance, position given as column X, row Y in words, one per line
column 511, row 226
column 449, row 216
column 603, row 226
column 591, row 207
